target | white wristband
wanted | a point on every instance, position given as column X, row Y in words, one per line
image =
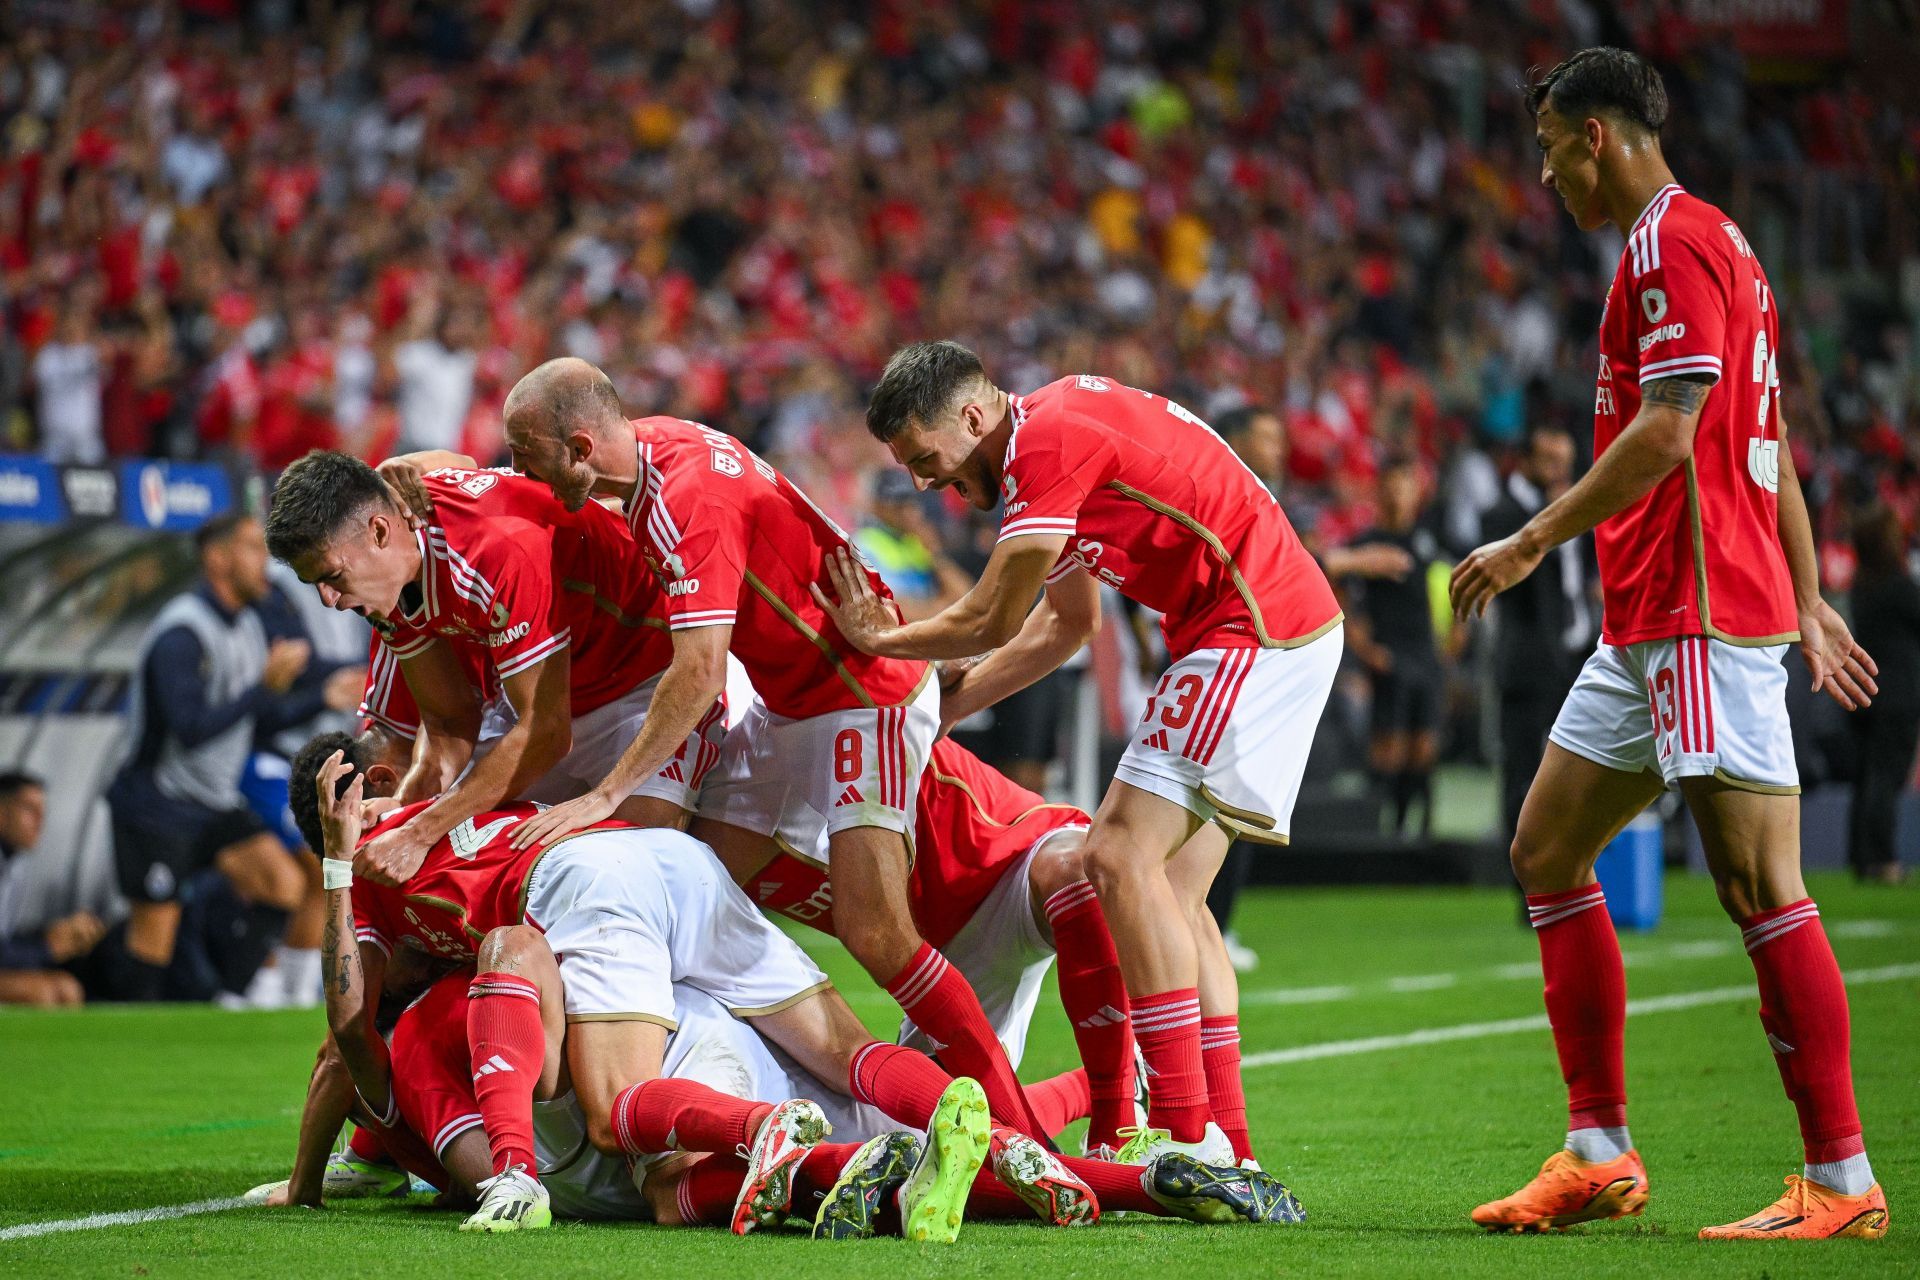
column 336, row 873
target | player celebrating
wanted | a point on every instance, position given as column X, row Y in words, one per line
column 1708, row 571
column 827, row 759
column 547, row 603
column 1107, row 484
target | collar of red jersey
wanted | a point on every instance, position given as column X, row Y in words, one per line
column 1672, row 188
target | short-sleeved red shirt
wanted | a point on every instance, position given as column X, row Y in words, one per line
column 509, row 570
column 736, row 543
column 1701, row 554
column 1154, row 504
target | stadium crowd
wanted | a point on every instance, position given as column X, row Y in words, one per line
column 243, row 231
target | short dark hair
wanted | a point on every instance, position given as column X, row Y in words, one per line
column 314, row 497
column 302, row 792
column 918, row 383
column 218, row 530
column 1236, row 422
column 14, row 781
column 1603, row 81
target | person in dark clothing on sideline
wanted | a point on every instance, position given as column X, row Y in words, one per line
column 1390, row 629
column 1886, row 620
column 32, row 961
column 1546, row 625
column 205, row 681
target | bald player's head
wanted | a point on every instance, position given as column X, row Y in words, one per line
column 559, row 418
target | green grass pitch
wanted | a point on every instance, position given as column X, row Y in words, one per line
column 1388, row 1142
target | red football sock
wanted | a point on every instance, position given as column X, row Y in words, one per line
column 904, row 1083
column 942, row 1003
column 1115, row 1186
column 1095, row 999
column 1167, row 1025
column 1586, row 1002
column 508, row 1043
column 1803, row 1007
column 1059, row 1100
column 1220, row 1053
column 708, row 1190
column 366, row 1145
column 820, row 1169
column 683, row 1115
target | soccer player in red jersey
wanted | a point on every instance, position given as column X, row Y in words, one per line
column 1708, row 572
column 999, row 887
column 1104, row 483
column 827, row 758
column 547, row 603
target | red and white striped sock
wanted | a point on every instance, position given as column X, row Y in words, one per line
column 508, row 1045
column 1095, row 998
column 942, row 1003
column 1803, row 1008
column 903, row 1083
column 683, row 1115
column 708, row 1190
column 1586, row 994
column 1167, row 1026
column 1226, row 1097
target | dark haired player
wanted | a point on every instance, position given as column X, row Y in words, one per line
column 1104, row 483
column 1708, row 572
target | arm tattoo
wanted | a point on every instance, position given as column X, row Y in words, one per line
column 1685, row 392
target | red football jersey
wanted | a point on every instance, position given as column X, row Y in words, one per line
column 737, row 544
column 388, row 702
column 509, row 570
column 471, row 883
column 973, row 823
column 1155, row 505
column 1700, row 555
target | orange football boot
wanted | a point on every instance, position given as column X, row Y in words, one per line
column 1810, row 1211
column 1568, row 1190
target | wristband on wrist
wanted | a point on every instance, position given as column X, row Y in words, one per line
column 336, row 873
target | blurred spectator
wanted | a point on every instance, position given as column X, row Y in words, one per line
column 1544, row 626
column 1390, row 629
column 31, row 959
column 435, row 368
column 68, row 374
column 903, row 545
column 1886, row 620
column 206, row 682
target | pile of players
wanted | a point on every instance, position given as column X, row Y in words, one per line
column 615, row 991
column 559, row 827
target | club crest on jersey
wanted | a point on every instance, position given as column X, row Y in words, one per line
column 1008, row 487
column 1654, row 304
column 727, row 464
column 499, row 613
column 479, row 484
column 1089, row 382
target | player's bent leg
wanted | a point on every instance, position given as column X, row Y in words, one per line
column 1752, row 843
column 604, row 1058
column 1573, row 808
column 151, row 930
column 652, row 811
column 1192, row 873
column 515, row 1028
column 742, row 852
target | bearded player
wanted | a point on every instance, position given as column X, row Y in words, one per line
column 1104, row 483
column 1708, row 571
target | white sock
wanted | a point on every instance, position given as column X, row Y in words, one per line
column 1596, row 1146
column 1850, row 1177
column 300, row 969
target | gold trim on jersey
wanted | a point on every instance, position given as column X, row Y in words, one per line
column 654, row 1018
column 454, row 909
column 814, row 638
column 981, row 809
column 608, row 607
column 1698, row 530
column 781, row 1005
column 1761, row 788
column 1219, row 549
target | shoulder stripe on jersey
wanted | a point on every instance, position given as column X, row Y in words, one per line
column 467, row 581
column 429, row 591
column 411, row 647
column 1684, row 364
column 1018, row 407
column 539, row 653
column 1039, row 524
column 1643, row 243
column 373, row 936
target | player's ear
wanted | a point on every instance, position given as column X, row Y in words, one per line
column 580, row 445
column 382, row 780
column 1596, row 134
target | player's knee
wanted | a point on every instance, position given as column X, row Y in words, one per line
column 1741, row 893
column 1058, row 863
column 1111, row 865
column 600, row 1133
column 882, row 945
column 511, row 948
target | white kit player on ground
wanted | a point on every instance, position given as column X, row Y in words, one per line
column 1104, row 483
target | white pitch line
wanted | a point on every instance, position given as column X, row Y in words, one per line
column 125, row 1218
column 1537, row 1022
column 1422, row 982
